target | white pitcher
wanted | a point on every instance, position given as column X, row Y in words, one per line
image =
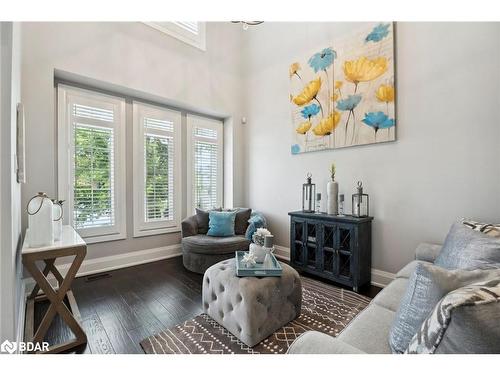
column 40, row 221
column 57, row 217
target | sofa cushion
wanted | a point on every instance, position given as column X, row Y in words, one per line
column 407, row 271
column 391, row 295
column 369, row 330
column 427, row 285
column 313, row 342
column 241, row 221
column 464, row 321
column 221, row 224
column 467, row 248
column 202, row 218
column 203, row 244
column 427, row 252
column 256, row 221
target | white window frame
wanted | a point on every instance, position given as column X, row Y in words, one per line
column 141, row 226
column 66, row 95
column 175, row 30
column 217, row 125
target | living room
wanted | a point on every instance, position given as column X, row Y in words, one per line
column 250, row 187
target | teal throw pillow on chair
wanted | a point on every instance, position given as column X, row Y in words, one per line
column 221, row 224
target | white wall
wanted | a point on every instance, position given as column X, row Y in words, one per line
column 137, row 57
column 10, row 190
column 445, row 163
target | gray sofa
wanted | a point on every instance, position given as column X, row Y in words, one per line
column 369, row 331
column 199, row 251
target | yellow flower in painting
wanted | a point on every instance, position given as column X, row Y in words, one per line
column 327, row 125
column 294, row 68
column 335, row 97
column 308, row 93
column 364, row 69
column 385, row 93
column 338, row 85
column 304, row 127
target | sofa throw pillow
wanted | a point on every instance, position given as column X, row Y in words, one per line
column 492, row 230
column 241, row 220
column 221, row 224
column 256, row 221
column 426, row 286
column 202, row 218
column 466, row 248
column 464, row 321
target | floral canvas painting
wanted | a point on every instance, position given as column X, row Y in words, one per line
column 343, row 95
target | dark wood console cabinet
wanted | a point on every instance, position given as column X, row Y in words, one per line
column 337, row 248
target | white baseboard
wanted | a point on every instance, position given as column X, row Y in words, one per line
column 379, row 278
column 282, row 252
column 113, row 262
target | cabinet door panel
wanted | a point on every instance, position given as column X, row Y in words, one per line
column 346, row 237
column 297, row 251
column 312, row 243
column 327, row 251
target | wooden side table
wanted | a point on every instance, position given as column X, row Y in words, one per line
column 71, row 244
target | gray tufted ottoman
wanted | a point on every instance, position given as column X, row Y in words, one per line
column 251, row 308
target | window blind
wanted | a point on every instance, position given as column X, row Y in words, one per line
column 205, row 167
column 158, row 170
column 192, row 27
column 91, row 162
column 93, row 187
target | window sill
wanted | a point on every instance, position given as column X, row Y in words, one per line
column 153, row 232
column 104, row 238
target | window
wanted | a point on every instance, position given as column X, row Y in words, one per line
column 192, row 33
column 204, row 158
column 157, row 177
column 91, row 147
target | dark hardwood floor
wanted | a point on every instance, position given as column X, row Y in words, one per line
column 125, row 306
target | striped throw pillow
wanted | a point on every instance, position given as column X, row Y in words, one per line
column 492, row 230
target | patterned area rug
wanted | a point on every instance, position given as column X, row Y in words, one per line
column 325, row 308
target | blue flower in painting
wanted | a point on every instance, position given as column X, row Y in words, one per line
column 322, row 60
column 349, row 104
column 295, row 149
column 378, row 33
column 378, row 120
column 310, row 110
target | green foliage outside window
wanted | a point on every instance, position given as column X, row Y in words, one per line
column 93, row 180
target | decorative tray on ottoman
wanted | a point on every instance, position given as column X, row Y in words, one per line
column 258, row 268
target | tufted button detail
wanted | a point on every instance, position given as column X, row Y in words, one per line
column 239, row 298
column 221, row 313
column 205, row 305
column 208, row 280
column 221, row 288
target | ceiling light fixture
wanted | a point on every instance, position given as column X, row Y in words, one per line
column 246, row 24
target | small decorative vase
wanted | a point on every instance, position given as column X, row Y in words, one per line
column 332, row 192
column 268, row 262
column 259, row 252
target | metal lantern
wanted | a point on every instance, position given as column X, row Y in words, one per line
column 308, row 195
column 360, row 202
